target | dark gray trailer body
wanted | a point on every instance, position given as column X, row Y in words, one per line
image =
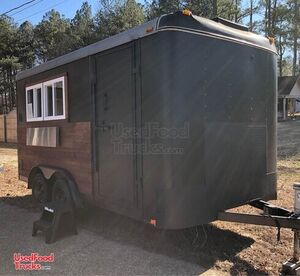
column 183, row 119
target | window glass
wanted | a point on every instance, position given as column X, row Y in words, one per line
column 49, row 97
column 58, row 95
column 46, row 100
column 30, row 104
column 34, row 103
column 38, row 102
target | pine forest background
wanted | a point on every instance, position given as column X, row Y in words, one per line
column 25, row 45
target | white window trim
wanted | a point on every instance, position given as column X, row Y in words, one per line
column 34, row 88
column 44, row 100
column 52, row 82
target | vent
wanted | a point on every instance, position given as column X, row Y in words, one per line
column 231, row 24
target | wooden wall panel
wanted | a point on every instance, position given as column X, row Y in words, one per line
column 73, row 152
column 11, row 127
column 8, row 122
column 2, row 134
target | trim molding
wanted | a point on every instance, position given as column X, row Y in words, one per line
column 216, row 36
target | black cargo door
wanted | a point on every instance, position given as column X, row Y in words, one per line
column 114, row 122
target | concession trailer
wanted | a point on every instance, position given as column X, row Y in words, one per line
column 171, row 122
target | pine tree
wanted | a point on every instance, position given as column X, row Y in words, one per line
column 52, row 36
column 119, row 17
column 25, row 44
column 9, row 63
column 83, row 27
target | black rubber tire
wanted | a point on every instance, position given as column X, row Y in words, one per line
column 60, row 190
column 40, row 188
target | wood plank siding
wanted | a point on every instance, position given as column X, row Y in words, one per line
column 73, row 152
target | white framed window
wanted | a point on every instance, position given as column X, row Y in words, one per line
column 34, row 103
column 54, row 103
column 46, row 101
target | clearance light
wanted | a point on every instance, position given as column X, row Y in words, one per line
column 149, row 29
column 153, row 222
column 271, row 40
column 187, row 12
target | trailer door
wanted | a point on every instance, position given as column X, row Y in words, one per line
column 114, row 125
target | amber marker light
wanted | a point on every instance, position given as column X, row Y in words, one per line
column 149, row 29
column 271, row 40
column 153, row 222
column 187, row 12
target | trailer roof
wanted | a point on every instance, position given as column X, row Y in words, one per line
column 289, row 87
column 216, row 28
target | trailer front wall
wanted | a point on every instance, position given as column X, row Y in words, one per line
column 73, row 152
column 221, row 95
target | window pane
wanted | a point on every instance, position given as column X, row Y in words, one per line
column 30, row 103
column 49, row 101
column 58, row 92
column 39, row 102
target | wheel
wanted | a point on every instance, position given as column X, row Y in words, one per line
column 40, row 189
column 60, row 190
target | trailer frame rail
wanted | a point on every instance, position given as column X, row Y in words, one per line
column 274, row 216
column 291, row 222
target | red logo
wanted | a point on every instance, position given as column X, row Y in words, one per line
column 34, row 261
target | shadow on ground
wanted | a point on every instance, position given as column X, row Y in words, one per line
column 26, row 202
column 8, row 145
column 201, row 245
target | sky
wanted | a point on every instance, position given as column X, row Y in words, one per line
column 34, row 11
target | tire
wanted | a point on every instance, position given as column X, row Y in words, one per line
column 60, row 190
column 40, row 188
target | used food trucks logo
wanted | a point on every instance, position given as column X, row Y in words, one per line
column 151, row 139
column 34, row 261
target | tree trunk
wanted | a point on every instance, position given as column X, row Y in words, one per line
column 280, row 56
column 266, row 18
column 269, row 17
column 11, row 89
column 274, row 18
column 215, row 8
column 236, row 11
column 5, row 92
column 251, row 16
column 295, row 38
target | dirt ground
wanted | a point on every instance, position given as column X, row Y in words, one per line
column 227, row 247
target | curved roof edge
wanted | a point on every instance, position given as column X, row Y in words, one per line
column 218, row 27
column 176, row 21
column 105, row 44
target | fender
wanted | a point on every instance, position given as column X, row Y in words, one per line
column 50, row 173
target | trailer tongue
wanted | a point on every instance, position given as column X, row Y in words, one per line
column 274, row 216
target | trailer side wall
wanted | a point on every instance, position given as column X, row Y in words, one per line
column 73, row 152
